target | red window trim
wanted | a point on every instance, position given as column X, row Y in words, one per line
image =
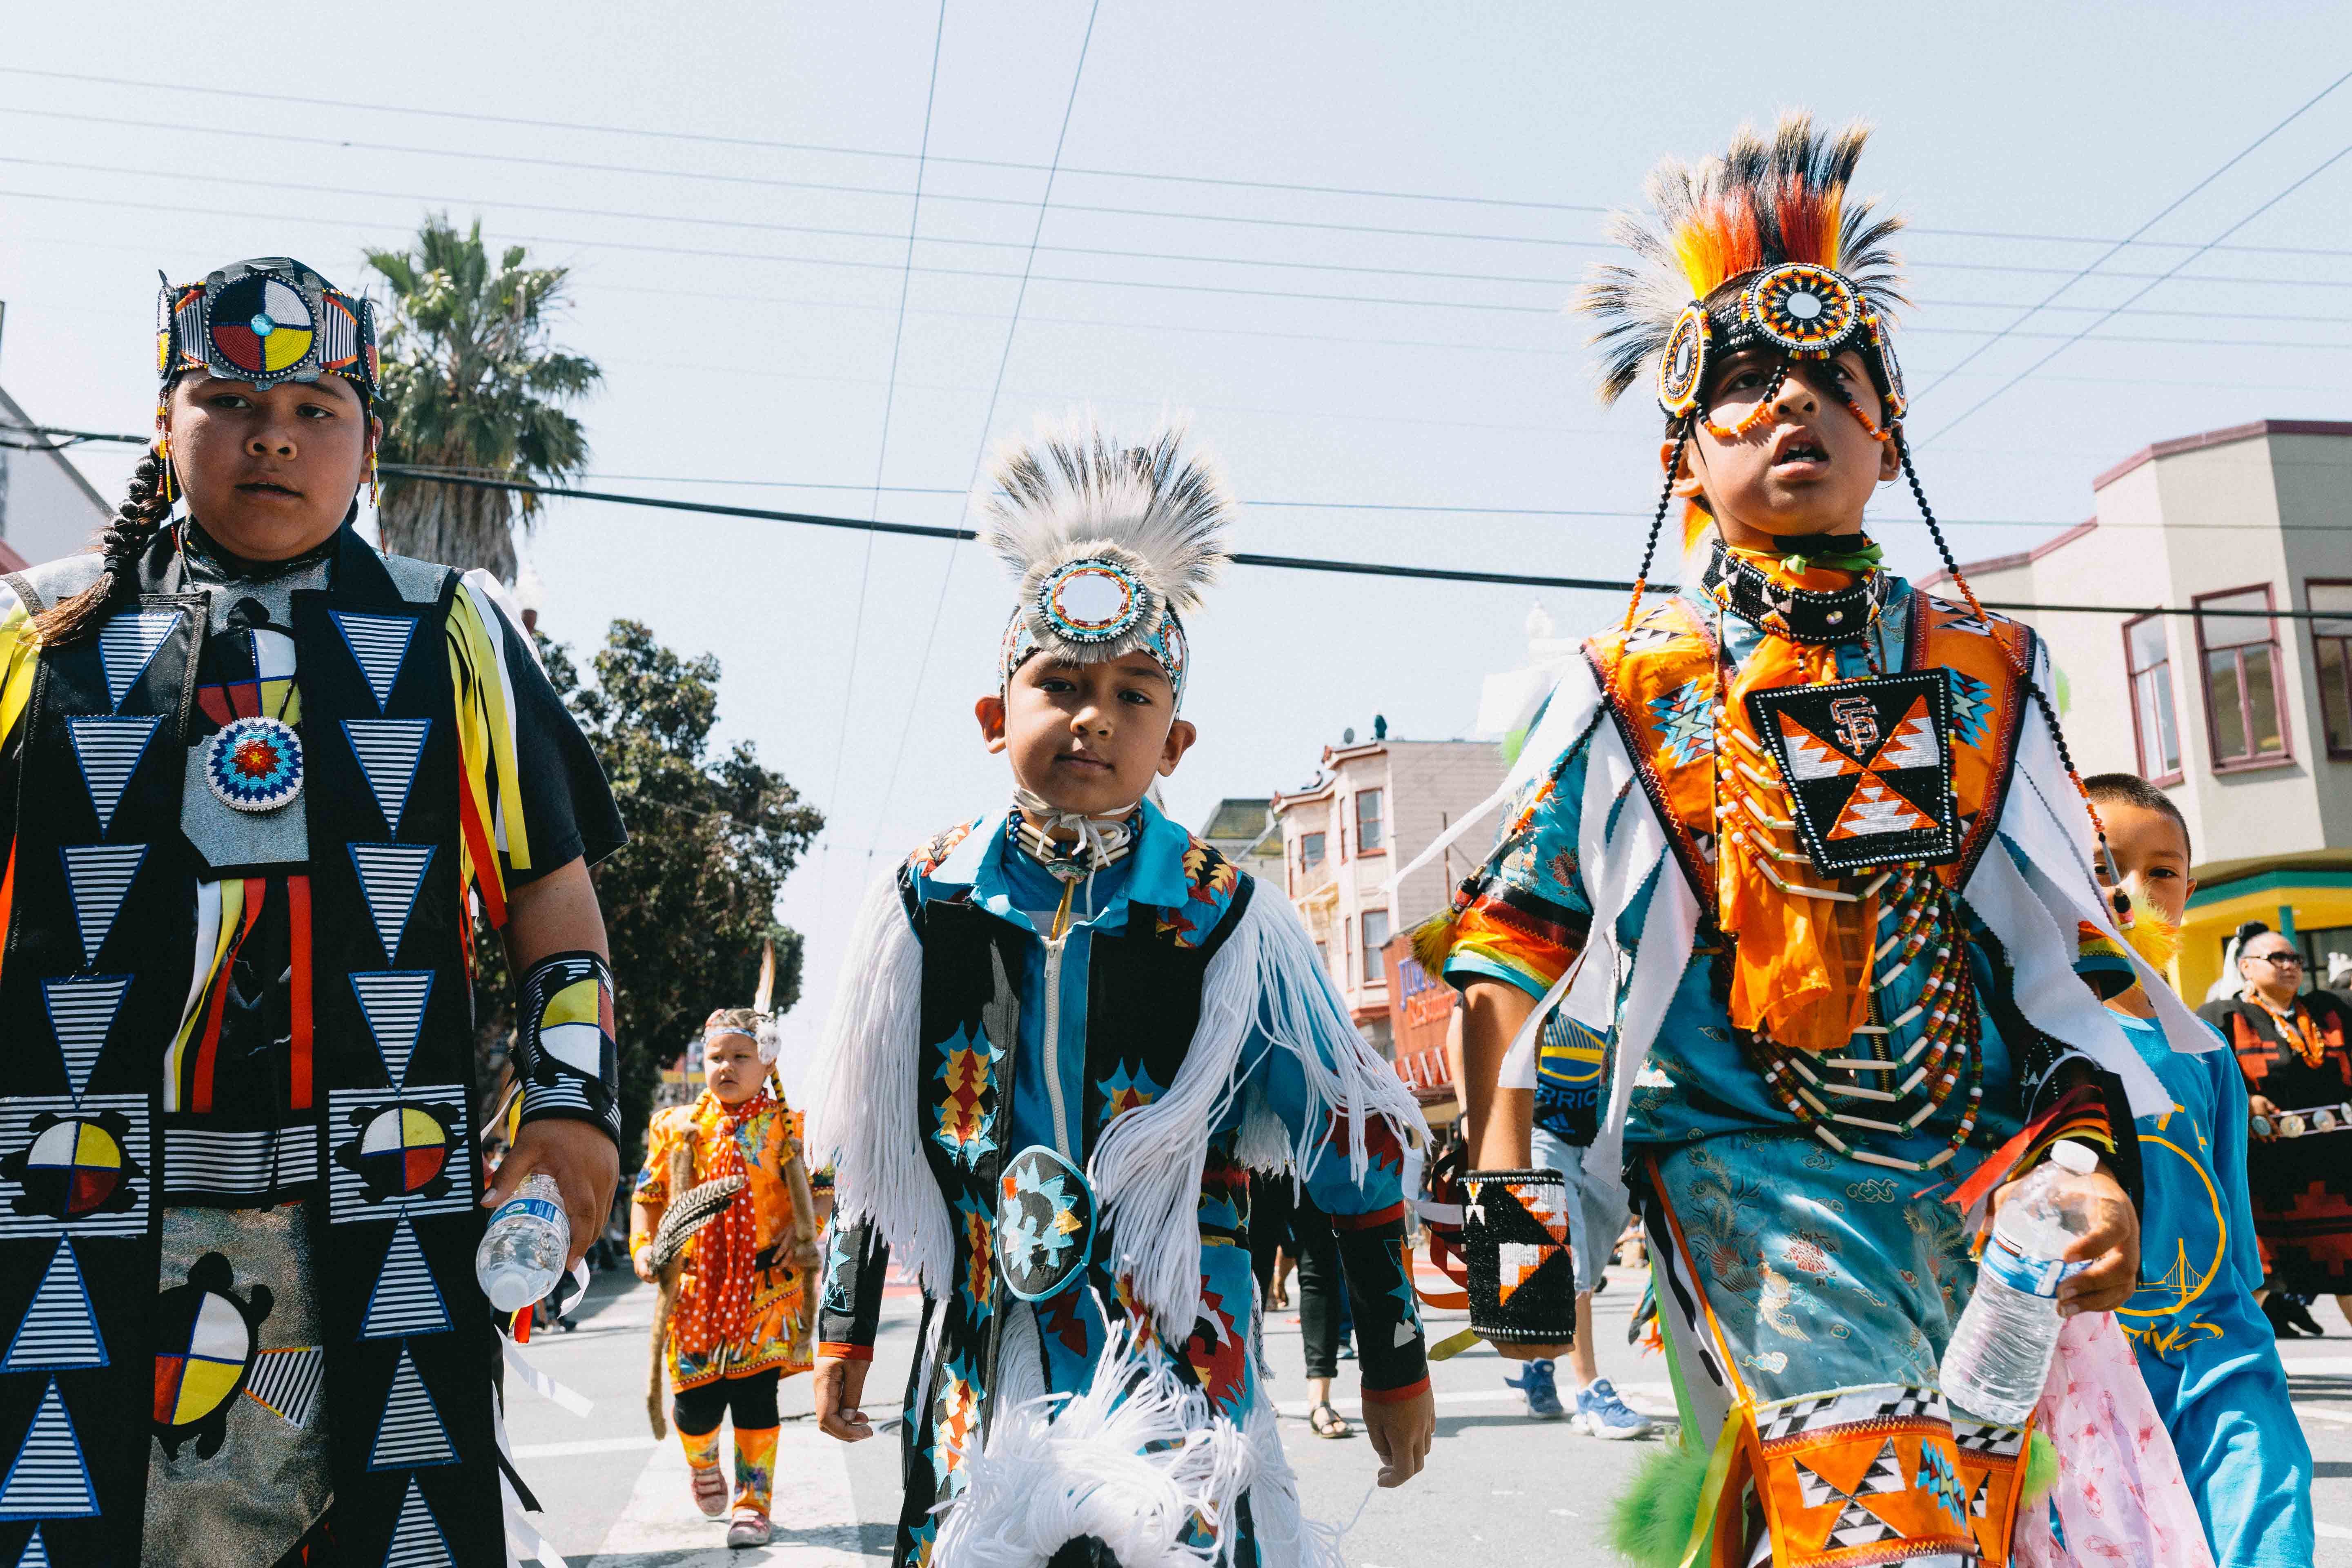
column 2285, row 756
column 2131, row 684
column 2308, row 585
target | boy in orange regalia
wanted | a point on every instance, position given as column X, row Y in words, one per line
column 741, row 1322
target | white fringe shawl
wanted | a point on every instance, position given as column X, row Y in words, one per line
column 864, row 1100
column 1132, row 1460
column 1267, row 980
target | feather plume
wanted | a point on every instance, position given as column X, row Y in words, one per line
column 1758, row 203
column 689, row 1212
column 1071, row 492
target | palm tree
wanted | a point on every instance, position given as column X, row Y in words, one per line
column 472, row 384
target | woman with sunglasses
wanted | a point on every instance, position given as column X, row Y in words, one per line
column 2291, row 1047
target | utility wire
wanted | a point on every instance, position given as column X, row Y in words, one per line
column 2170, row 208
column 1108, row 252
column 2327, row 164
column 344, row 105
column 1243, row 558
column 987, row 424
column 882, row 446
column 59, row 439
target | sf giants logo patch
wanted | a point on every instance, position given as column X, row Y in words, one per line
column 1868, row 768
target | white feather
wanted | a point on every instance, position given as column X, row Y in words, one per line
column 863, row 1093
column 1071, row 491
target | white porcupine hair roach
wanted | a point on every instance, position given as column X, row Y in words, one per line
column 1071, row 491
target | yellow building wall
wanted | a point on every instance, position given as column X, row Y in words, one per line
column 2208, row 925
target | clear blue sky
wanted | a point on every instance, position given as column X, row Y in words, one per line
column 743, row 298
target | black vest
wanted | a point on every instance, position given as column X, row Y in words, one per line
column 101, row 947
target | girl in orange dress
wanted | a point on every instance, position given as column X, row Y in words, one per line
column 742, row 1314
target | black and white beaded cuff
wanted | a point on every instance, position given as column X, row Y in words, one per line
column 565, row 1053
column 1522, row 1278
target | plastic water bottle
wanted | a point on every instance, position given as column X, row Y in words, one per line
column 2000, row 1354
column 522, row 1253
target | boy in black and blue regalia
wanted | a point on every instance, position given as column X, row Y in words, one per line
column 251, row 773
column 1067, row 1032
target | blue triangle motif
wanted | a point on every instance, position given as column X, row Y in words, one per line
column 387, row 751
column 35, row 1553
column 393, row 1002
column 82, row 1013
column 107, row 750
column 58, row 1330
column 98, row 878
column 378, row 644
column 47, row 1478
column 390, row 875
column 411, row 1433
column 405, row 1300
column 416, row 1538
column 127, row 645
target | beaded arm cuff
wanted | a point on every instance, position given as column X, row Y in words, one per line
column 565, row 1050
column 1515, row 1245
column 1389, row 1346
column 850, row 1312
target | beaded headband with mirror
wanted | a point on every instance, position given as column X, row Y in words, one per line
column 1107, row 543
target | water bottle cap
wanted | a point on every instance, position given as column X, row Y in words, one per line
column 2075, row 1156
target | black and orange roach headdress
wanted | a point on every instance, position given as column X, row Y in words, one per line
column 1818, row 279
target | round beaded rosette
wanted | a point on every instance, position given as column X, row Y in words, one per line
column 254, row 764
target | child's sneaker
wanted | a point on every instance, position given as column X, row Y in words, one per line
column 1543, row 1395
column 751, row 1528
column 710, row 1491
column 1599, row 1412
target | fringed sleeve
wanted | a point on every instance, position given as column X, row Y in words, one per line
column 1266, row 998
column 863, row 1096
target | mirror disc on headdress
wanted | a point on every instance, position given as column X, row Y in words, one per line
column 1092, row 601
column 1683, row 364
column 1802, row 308
column 77, row 1164
column 403, row 1149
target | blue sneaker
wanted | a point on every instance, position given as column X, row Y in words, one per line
column 1599, row 1412
column 1543, row 1396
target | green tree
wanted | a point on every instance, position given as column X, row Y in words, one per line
column 689, row 901
column 472, row 383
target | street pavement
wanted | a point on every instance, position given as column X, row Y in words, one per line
column 1500, row 1491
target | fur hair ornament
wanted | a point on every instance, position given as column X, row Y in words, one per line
column 1108, row 543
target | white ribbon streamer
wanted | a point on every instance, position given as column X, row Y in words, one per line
column 546, row 1387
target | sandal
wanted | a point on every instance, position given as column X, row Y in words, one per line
column 1326, row 1422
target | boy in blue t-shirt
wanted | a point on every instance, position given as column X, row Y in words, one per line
column 2207, row 1351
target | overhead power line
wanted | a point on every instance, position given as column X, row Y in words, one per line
column 1560, row 284
column 761, row 143
column 2170, row 208
column 1247, row 558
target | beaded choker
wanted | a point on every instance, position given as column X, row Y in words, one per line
column 1098, row 843
column 1801, row 614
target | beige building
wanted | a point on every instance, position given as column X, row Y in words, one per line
column 1373, row 807
column 1244, row 830
column 2244, row 719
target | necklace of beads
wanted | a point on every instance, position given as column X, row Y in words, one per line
column 2295, row 1027
column 1946, row 1053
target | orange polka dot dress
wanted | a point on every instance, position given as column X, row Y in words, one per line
column 734, row 1316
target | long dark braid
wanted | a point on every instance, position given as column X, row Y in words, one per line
column 125, row 538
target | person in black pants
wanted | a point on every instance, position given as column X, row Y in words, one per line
column 1322, row 1311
